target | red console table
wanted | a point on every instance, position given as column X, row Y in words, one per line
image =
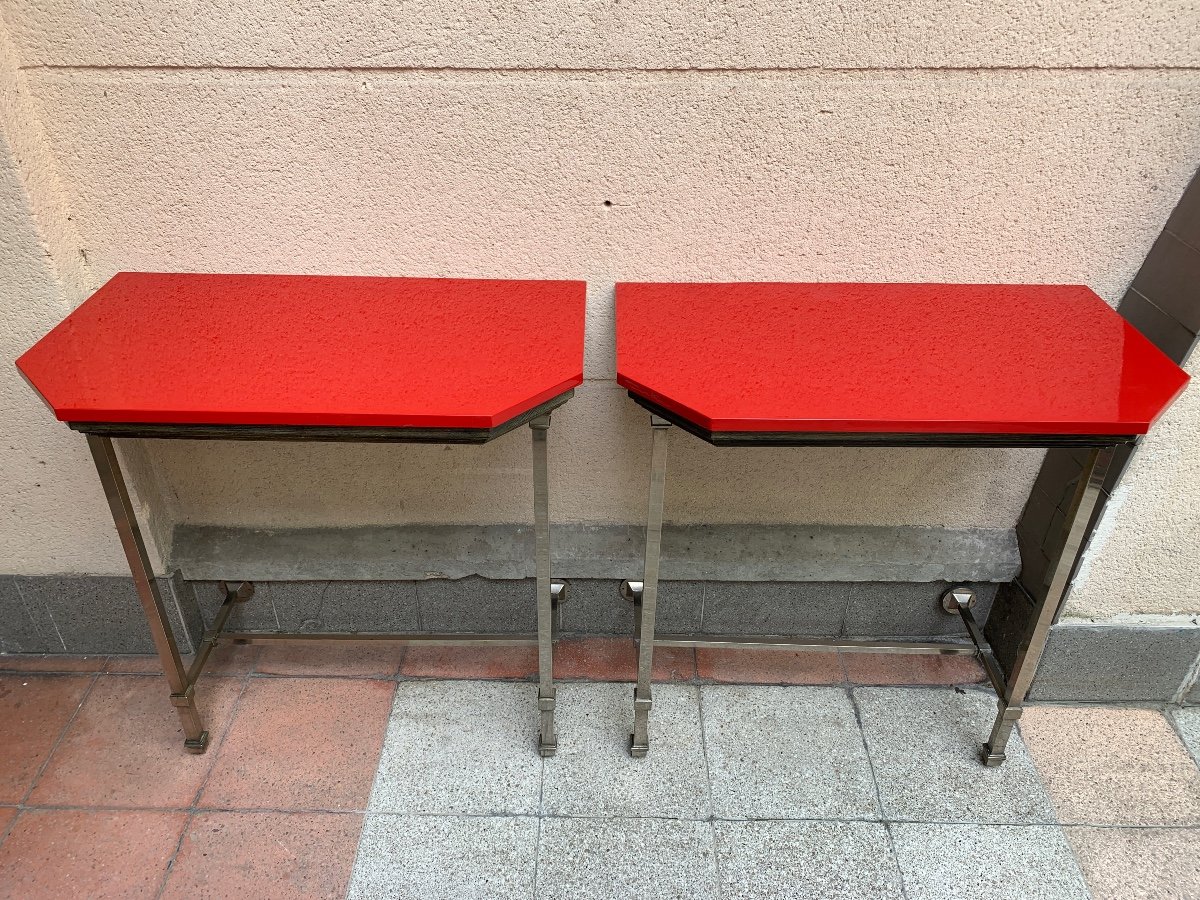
column 313, row 358
column 928, row 365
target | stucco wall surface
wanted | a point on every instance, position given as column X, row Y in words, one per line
column 881, row 142
column 602, row 34
column 53, row 517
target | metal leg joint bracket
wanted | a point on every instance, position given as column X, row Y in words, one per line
column 184, row 698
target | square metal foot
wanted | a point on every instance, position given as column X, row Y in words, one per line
column 637, row 751
column 990, row 759
column 547, row 750
column 196, row 745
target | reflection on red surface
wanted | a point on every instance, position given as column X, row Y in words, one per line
column 311, row 350
column 891, row 358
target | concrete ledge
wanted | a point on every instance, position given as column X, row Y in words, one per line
column 690, row 553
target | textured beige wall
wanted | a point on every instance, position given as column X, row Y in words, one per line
column 52, row 512
column 53, row 516
column 1038, row 142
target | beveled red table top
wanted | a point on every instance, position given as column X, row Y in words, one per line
column 889, row 360
column 313, row 351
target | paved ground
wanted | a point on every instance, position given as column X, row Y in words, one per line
column 363, row 770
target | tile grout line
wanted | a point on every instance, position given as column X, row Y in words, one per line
column 887, row 825
column 367, row 814
column 599, row 817
column 23, row 804
column 192, row 810
column 216, row 750
column 712, row 829
column 1169, row 715
column 537, row 847
column 62, row 735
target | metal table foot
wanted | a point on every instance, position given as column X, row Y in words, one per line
column 639, row 741
column 547, row 734
column 993, row 751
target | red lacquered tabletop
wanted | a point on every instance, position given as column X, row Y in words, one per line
column 321, row 351
column 890, row 359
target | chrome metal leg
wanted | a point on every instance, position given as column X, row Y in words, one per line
column 639, row 741
column 182, row 691
column 1020, row 678
column 548, row 736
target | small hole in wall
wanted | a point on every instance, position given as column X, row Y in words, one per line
column 608, row 203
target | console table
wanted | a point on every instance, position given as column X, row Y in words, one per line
column 888, row 365
column 313, row 358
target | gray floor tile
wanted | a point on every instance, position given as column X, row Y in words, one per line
column 593, row 773
column 803, row 860
column 1187, row 722
column 997, row 862
column 460, row 747
column 786, row 753
column 447, row 857
column 596, row 859
column 924, row 746
column 1138, row 863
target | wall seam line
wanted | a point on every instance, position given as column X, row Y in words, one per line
column 597, row 70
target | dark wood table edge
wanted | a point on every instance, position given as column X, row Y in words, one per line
column 363, row 434
column 880, row 439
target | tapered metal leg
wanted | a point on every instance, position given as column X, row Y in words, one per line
column 548, row 736
column 182, row 692
column 639, row 742
column 1083, row 504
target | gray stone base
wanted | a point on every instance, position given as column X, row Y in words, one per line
column 92, row 614
column 1106, row 663
column 1083, row 662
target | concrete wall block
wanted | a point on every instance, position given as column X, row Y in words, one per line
column 1103, row 663
column 804, row 608
column 1185, row 219
column 94, row 614
column 888, row 609
column 594, row 33
column 20, row 632
column 1170, row 279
